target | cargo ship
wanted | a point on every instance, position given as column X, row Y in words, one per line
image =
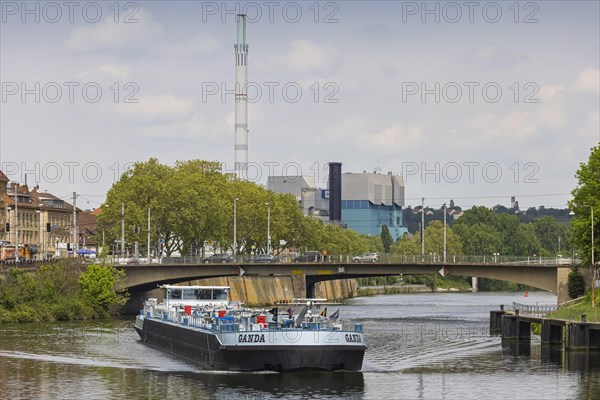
column 198, row 323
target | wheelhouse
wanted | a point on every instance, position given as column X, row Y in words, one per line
column 195, row 295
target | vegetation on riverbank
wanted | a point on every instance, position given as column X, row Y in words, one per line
column 393, row 284
column 61, row 291
column 575, row 309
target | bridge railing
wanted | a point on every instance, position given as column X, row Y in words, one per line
column 385, row 259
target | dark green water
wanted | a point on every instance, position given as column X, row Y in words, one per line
column 420, row 346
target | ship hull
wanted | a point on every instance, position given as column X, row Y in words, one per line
column 206, row 349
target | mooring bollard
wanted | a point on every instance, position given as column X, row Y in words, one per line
column 501, row 307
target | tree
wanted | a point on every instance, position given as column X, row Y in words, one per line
column 575, row 284
column 585, row 196
column 386, row 238
column 550, row 234
column 102, row 286
column 434, row 240
column 479, row 239
column 407, row 245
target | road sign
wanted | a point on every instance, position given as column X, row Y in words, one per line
column 241, row 272
column 444, row 271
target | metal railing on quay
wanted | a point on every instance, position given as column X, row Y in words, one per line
column 534, row 310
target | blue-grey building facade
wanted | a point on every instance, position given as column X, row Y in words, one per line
column 370, row 201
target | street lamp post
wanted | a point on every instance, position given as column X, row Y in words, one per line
column 235, row 199
column 122, row 229
column 148, row 236
column 40, row 235
column 268, row 228
column 422, row 229
column 16, row 224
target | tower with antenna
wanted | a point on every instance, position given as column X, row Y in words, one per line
column 241, row 99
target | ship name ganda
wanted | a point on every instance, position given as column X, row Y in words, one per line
column 251, row 338
column 353, row 338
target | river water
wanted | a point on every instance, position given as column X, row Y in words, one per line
column 420, row 346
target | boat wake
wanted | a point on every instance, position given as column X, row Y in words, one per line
column 92, row 362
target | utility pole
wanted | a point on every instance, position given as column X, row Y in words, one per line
column 445, row 232
column 75, row 241
column 235, row 199
column 422, row 229
column 122, row 229
column 268, row 228
column 16, row 224
column 148, row 235
column 593, row 263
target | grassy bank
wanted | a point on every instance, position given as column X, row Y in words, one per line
column 573, row 310
column 61, row 291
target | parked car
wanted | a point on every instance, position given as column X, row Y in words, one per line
column 309, row 256
column 367, row 257
column 262, row 258
column 218, row 258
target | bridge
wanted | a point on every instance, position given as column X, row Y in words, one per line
column 547, row 276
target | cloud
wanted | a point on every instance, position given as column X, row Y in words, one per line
column 306, row 56
column 492, row 56
column 589, row 81
column 202, row 43
column 161, row 109
column 359, row 131
column 549, row 92
column 194, row 126
column 107, row 35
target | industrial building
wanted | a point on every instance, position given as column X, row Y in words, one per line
column 368, row 201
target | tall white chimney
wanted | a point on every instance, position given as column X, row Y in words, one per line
column 241, row 99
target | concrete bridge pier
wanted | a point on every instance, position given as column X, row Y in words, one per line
column 475, row 284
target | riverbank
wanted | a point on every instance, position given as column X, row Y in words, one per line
column 406, row 288
column 66, row 290
column 574, row 309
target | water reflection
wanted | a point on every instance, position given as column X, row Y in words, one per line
column 517, row 347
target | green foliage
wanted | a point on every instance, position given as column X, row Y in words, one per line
column 365, row 292
column 101, row 288
column 434, row 242
column 386, row 238
column 575, row 284
column 550, row 234
column 192, row 202
column 482, row 231
column 407, row 245
column 585, row 197
column 54, row 292
column 494, row 285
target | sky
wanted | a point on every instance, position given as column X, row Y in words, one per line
column 470, row 101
